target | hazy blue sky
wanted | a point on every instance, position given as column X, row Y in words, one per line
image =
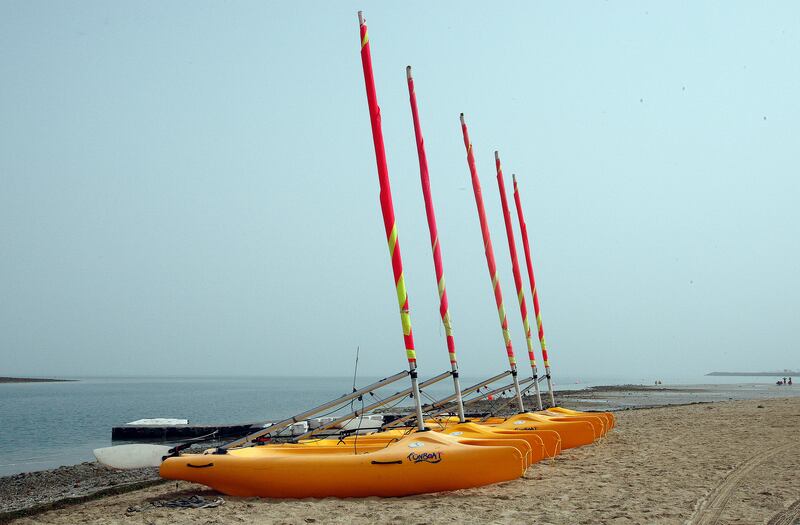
column 190, row 187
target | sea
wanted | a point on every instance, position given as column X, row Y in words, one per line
column 47, row 425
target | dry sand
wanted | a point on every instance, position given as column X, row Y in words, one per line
column 730, row 462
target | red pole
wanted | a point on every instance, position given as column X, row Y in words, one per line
column 512, row 249
column 489, row 252
column 529, row 263
column 444, row 309
column 387, row 209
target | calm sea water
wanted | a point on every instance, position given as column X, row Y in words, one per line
column 45, row 425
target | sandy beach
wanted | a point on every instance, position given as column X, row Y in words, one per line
column 727, row 462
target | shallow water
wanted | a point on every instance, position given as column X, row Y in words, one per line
column 51, row 424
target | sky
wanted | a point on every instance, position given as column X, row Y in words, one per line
column 189, row 188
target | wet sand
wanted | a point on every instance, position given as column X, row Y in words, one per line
column 727, row 462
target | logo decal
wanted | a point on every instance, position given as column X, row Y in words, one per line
column 456, row 433
column 416, row 444
column 426, row 457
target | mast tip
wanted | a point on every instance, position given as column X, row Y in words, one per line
column 408, row 72
column 514, row 178
column 361, row 18
column 496, row 155
column 462, row 119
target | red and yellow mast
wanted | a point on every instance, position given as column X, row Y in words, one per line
column 523, row 228
column 490, row 261
column 387, row 210
column 444, row 308
column 512, row 249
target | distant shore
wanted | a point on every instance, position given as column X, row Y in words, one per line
column 33, row 380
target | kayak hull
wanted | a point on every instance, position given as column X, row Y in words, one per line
column 573, row 433
column 598, row 423
column 415, row 464
column 544, row 443
column 608, row 416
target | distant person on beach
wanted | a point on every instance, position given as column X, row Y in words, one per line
column 784, row 380
column 790, row 380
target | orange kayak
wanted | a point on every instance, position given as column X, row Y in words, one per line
column 608, row 416
column 549, row 440
column 573, row 433
column 416, row 464
column 544, row 443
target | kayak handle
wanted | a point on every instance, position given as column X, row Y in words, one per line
column 200, row 466
column 396, row 462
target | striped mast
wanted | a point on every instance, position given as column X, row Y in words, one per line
column 444, row 309
column 512, row 250
column 523, row 230
column 489, row 251
column 387, row 210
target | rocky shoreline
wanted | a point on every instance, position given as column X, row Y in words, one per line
column 33, row 492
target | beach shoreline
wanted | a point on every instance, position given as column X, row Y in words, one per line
column 668, row 461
